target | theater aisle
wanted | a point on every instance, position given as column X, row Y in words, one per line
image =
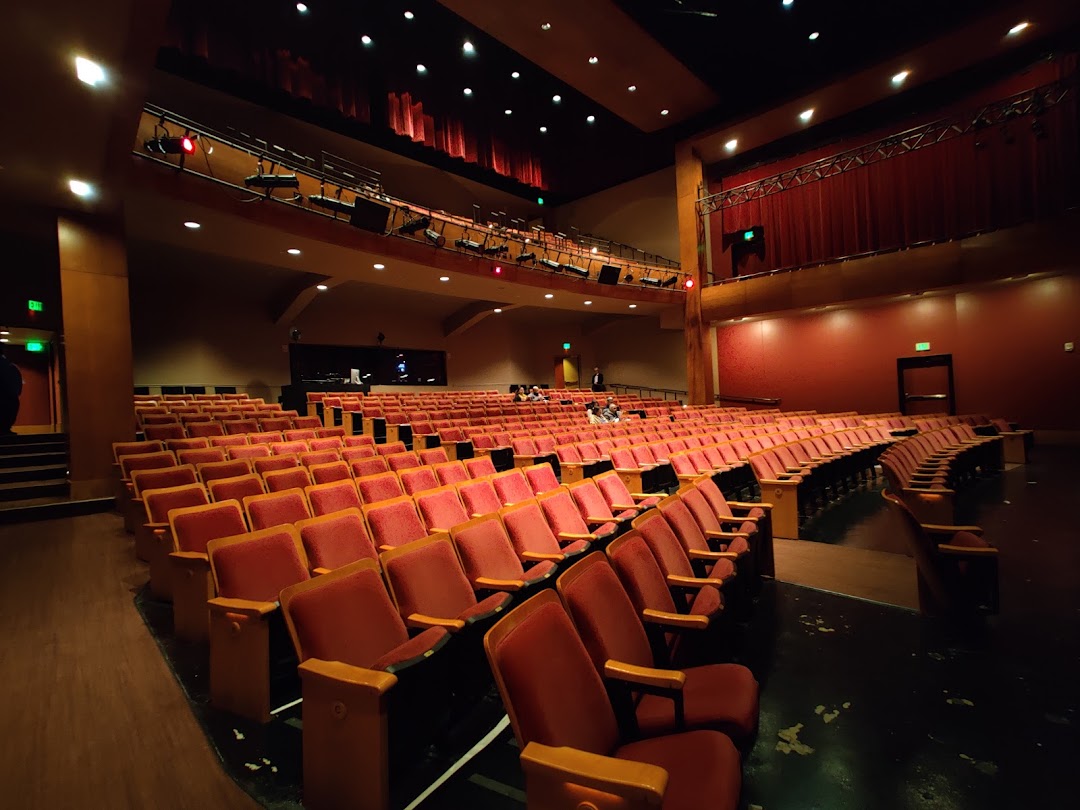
column 92, row 716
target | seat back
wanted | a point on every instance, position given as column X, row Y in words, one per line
column 479, row 497
column 528, row 529
column 281, row 480
column 511, row 487
column 590, row 500
column 541, row 478
column 337, row 539
column 192, row 527
column 682, row 522
column 135, row 449
column 640, row 573
column 364, row 467
column 394, row 522
column 485, row 549
column 276, row 508
column 535, row 653
column 205, row 455
column 479, row 467
column 330, row 472
column 158, row 502
column 333, row 496
column 664, row 545
column 451, row 472
column 381, row 487
column 235, row 488
column 142, row 480
column 417, row 479
column 426, row 577
column 250, row 451
column 146, row 461
column 259, row 565
column 403, row 461
column 436, row 455
column 562, row 513
column 441, row 509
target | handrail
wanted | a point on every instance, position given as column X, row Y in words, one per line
column 771, row 401
column 627, row 388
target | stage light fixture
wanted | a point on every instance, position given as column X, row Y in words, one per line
column 496, row 270
column 655, row 282
column 332, row 203
column 551, row 264
column 272, row 181
column 414, row 225
column 689, row 284
column 436, row 238
column 493, row 250
column 628, row 278
column 573, row 268
column 469, row 244
column 669, row 281
column 526, row 257
column 169, row 145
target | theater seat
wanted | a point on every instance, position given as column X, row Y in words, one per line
column 332, row 497
column 336, row 540
column 489, row 559
column 569, row 738
column 394, row 522
column 155, row 529
column 276, row 508
column 534, row 538
column 236, row 488
column 619, row 497
column 479, row 497
column 441, row 509
column 379, row 487
column 723, row 697
column 566, row 521
column 541, row 478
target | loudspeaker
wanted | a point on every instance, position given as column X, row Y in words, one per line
column 369, row 215
column 609, row 274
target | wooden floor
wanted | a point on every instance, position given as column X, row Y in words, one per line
column 879, row 576
column 91, row 714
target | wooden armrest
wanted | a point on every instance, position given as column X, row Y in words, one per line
column 750, row 505
column 498, row 584
column 967, row 551
column 600, row 521
column 245, row 607
column 568, row 536
column 190, row 559
column 320, row 571
column 936, row 528
column 681, row 620
column 374, row 681
column 715, row 535
column 387, row 548
column 647, row 676
column 640, row 496
column 696, row 554
column 636, row 782
column 536, row 556
column 619, row 507
column 675, row 580
column 421, row 620
column 916, row 491
column 772, row 482
column 736, row 519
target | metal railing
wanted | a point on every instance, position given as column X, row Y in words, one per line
column 624, row 388
column 770, row 402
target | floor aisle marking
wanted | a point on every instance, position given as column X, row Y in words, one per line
column 489, row 738
column 280, row 709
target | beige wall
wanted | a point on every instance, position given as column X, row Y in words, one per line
column 640, row 213
column 639, row 352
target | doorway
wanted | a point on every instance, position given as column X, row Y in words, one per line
column 925, row 385
column 568, row 371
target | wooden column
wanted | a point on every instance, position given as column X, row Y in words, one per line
column 689, row 179
column 97, row 350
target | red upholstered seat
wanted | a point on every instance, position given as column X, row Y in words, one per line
column 364, row 467
column 441, row 509
column 541, row 478
column 292, row 478
column 193, row 527
column 337, row 539
column 436, row 455
column 402, row 461
column 511, row 487
column 670, row 554
column 418, row 479
column 620, row 498
column 451, row 472
column 691, row 537
column 381, row 487
column 532, row 535
column 479, row 497
column 235, row 488
column 276, row 508
column 479, row 467
column 257, row 566
column 593, row 508
column 334, row 496
column 489, row 560
column 394, row 522
column 566, row 521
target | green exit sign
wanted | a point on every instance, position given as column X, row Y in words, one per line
column 35, row 346
column 35, row 306
column 748, row 236
column 922, row 347
column 566, row 346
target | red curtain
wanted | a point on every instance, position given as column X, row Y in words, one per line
column 450, row 136
column 1000, row 176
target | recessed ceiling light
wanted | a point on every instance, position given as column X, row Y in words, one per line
column 806, row 115
column 632, row 88
column 590, row 119
column 546, row 27
column 444, row 278
column 409, row 15
column 588, row 303
column 467, row 91
column 193, row 225
column 293, row 251
column 379, row 266
column 498, row 311
column 321, row 287
column 302, row 8
column 731, row 145
column 898, row 78
column 556, row 98
column 5, row 332
column 421, row 69
column 4, row 340
column 468, row 48
column 543, row 129
column 508, row 112
column 664, row 112
column 1020, row 26
column 593, row 60
column 365, row 39
column 80, row 188
column 788, row 3
column 814, row 35
column 515, row 75
column 633, row 306
column 89, row 72
column 548, row 295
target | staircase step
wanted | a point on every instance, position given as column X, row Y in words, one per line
column 32, row 459
column 37, row 472
column 25, row 490
column 20, row 448
column 51, row 508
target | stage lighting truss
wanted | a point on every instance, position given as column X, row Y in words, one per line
column 652, row 282
column 268, row 181
column 335, row 203
column 413, row 225
column 551, row 264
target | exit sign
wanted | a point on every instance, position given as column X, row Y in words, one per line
column 922, row 347
column 566, row 346
column 35, row 306
column 35, row 346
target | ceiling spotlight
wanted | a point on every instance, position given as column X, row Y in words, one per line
column 664, row 112
column 515, row 75
column 633, row 306
column 588, row 303
column 655, row 282
column 493, row 250
column 1020, row 26
column 590, row 119
column 467, row 91
column 469, row 244
column 497, row 311
column 669, row 281
column 412, row 226
column 172, row 146
column 90, row 73
column 5, row 332
column 543, row 129
column 731, row 145
column 302, row 8
column 593, row 60
column 508, row 112
column 632, row 88
column 192, row 225
column 409, row 15
column 321, row 287
column 545, row 27
column 573, row 268
column 80, row 188
column 556, row 98
column 269, row 181
column 806, row 115
column 293, row 251
column 549, row 296
column 365, row 39
column 814, row 35
column 526, row 257
column 421, row 69
column 550, row 264
column 788, row 3
column 332, row 203
column 379, row 266
column 436, row 238
column 629, row 277
column 444, row 278
column 898, row 79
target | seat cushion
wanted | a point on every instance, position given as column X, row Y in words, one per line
column 538, row 570
column 723, row 697
column 707, row 601
column 968, row 540
column 703, row 768
column 575, row 547
column 722, row 569
column 413, row 648
column 648, row 503
column 484, row 606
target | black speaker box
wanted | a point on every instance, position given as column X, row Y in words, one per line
column 369, row 216
column 609, row 274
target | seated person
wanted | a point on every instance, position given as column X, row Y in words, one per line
column 611, row 412
column 536, row 395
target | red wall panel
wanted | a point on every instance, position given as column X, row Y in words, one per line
column 1007, row 342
